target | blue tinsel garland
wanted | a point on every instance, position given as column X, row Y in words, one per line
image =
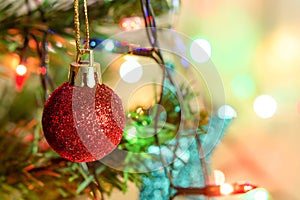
column 187, row 171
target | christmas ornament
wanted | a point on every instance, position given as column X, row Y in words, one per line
column 83, row 123
column 83, row 119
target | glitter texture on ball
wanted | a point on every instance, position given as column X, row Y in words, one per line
column 83, row 124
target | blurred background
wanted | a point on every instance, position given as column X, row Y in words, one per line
column 255, row 46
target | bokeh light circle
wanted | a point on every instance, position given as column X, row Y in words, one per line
column 243, row 86
column 265, row 106
column 21, row 70
column 261, row 195
column 200, row 50
column 219, row 177
column 131, row 71
column 226, row 112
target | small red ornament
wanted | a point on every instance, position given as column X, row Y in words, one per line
column 83, row 123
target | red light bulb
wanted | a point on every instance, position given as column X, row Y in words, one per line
column 20, row 76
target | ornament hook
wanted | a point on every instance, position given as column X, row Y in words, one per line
column 83, row 72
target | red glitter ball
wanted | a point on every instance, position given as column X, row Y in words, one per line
column 83, row 124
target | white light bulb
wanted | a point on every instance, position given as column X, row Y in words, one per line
column 265, row 106
column 21, row 70
column 226, row 189
column 131, row 71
